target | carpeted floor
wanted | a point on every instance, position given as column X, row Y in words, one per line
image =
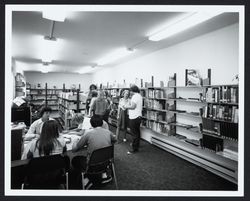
column 155, row 169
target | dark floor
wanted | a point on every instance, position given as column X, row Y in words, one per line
column 155, row 169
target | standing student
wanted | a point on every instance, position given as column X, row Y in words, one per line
column 94, row 97
column 49, row 143
column 36, row 127
column 91, row 88
column 122, row 115
column 135, row 113
column 100, row 105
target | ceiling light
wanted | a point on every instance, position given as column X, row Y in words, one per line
column 44, row 68
column 48, row 49
column 54, row 15
column 183, row 24
column 86, row 69
column 115, row 55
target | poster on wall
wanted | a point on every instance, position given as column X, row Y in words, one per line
column 192, row 77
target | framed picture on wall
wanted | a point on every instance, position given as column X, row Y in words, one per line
column 192, row 77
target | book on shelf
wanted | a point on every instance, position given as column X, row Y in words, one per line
column 224, row 94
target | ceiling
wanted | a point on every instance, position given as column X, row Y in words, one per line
column 87, row 36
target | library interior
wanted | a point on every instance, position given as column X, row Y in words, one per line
column 137, row 100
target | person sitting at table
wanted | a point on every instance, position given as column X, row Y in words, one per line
column 76, row 123
column 94, row 139
column 49, row 143
column 36, row 127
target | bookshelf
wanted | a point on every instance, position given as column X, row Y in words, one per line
column 205, row 126
column 43, row 96
column 69, row 103
column 20, row 85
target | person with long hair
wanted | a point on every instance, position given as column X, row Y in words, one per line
column 49, row 143
column 122, row 115
column 36, row 127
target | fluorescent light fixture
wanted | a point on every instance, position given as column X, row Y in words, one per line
column 86, row 69
column 115, row 55
column 48, row 49
column 54, row 15
column 183, row 24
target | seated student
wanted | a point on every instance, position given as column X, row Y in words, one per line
column 50, row 142
column 36, row 127
column 84, row 123
column 77, row 121
column 94, row 139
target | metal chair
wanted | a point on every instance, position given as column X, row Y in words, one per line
column 101, row 161
column 47, row 172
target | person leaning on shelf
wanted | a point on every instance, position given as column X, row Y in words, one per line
column 36, row 127
column 122, row 115
column 49, row 143
column 100, row 105
column 135, row 113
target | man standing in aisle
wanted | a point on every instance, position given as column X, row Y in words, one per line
column 135, row 113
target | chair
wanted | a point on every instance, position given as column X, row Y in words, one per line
column 101, row 161
column 47, row 172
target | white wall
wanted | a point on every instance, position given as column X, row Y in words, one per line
column 57, row 79
column 217, row 50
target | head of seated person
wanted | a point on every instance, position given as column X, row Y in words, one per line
column 77, row 120
column 96, row 121
column 45, row 113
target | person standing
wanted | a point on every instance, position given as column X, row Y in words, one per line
column 135, row 113
column 100, row 105
column 122, row 116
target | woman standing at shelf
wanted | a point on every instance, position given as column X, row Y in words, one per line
column 49, row 143
column 122, row 115
column 135, row 113
column 94, row 97
column 91, row 88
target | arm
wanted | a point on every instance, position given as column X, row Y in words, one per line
column 113, row 138
column 80, row 144
column 31, row 132
column 92, row 106
column 131, row 106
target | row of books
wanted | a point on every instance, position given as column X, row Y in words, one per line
column 224, row 94
column 161, row 128
column 156, row 93
column 155, row 104
column 224, row 129
column 211, row 143
column 221, row 112
column 159, row 116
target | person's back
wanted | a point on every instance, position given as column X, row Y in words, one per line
column 101, row 105
column 98, row 138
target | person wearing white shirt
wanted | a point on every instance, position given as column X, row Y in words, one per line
column 135, row 113
column 36, row 127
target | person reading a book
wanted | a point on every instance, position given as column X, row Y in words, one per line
column 36, row 127
column 49, row 142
